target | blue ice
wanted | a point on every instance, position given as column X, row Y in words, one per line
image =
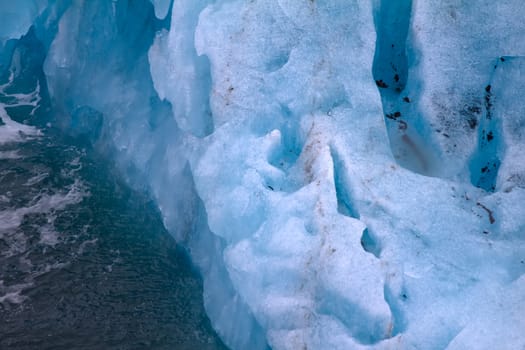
column 344, row 175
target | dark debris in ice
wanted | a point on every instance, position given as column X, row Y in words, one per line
column 381, row 84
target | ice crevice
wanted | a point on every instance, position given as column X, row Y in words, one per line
column 390, row 71
column 485, row 161
column 345, row 205
column 495, row 132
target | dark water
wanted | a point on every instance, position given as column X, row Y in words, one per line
column 85, row 262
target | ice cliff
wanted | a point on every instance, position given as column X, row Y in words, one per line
column 344, row 174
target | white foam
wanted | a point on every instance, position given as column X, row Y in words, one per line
column 14, row 154
column 11, row 219
column 13, row 298
column 48, row 234
column 85, row 243
column 11, row 293
column 13, row 131
column 31, row 99
column 36, row 179
column 16, row 242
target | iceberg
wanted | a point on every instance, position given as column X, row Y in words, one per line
column 344, row 175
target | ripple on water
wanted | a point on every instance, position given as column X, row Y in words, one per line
column 85, row 262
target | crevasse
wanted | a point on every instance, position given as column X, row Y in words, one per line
column 344, row 175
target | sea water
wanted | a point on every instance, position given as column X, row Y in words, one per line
column 85, row 262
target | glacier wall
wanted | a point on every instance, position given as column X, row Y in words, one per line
column 344, row 175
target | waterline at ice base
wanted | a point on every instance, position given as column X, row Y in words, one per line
column 341, row 174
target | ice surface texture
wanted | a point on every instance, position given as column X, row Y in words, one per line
column 17, row 16
column 344, row 174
